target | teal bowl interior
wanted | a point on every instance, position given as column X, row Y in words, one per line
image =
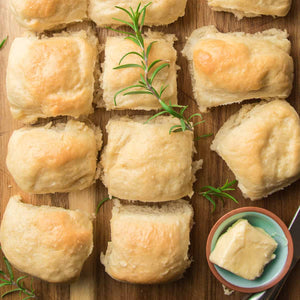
column 273, row 269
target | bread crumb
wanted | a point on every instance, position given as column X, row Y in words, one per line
column 227, row 291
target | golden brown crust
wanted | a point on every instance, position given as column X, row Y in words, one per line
column 114, row 80
column 149, row 244
column 39, row 15
column 47, row 242
column 144, row 162
column 51, row 76
column 232, row 67
column 160, row 12
column 261, row 145
column 252, row 8
column 53, row 159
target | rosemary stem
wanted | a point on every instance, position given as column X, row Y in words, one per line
column 24, row 290
column 146, row 82
column 152, row 90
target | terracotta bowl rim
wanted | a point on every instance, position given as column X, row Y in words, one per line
column 285, row 267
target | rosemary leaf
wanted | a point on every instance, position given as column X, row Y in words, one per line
column 144, row 14
column 126, row 11
column 153, row 64
column 19, row 279
column 149, row 49
column 228, row 184
column 183, row 126
column 157, row 71
column 226, row 195
column 9, row 269
column 203, row 136
column 173, row 128
column 211, row 201
column 137, row 93
column 169, row 109
column 162, row 89
column 125, row 89
column 31, row 285
column 156, row 115
column 133, row 39
column 183, row 109
column 220, row 192
column 195, row 115
column 142, row 80
column 124, row 22
column 197, row 123
column 130, row 53
column 3, row 42
column 216, row 190
column 128, row 66
column 10, row 292
column 102, row 202
column 143, row 19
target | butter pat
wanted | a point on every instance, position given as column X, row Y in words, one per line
column 244, row 250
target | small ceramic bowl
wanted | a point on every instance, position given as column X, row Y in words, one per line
column 275, row 270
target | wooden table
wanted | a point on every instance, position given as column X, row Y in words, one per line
column 198, row 282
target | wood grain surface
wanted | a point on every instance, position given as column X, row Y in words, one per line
column 198, row 282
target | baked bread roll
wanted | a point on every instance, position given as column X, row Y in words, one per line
column 261, row 145
column 149, row 244
column 115, row 80
column 50, row 77
column 144, row 162
column 47, row 242
column 252, row 8
column 48, row 14
column 232, row 67
column 49, row 159
column 160, row 12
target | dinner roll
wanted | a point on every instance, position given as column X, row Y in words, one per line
column 261, row 145
column 47, row 242
column 39, row 15
column 149, row 244
column 50, row 77
column 252, row 8
column 232, row 67
column 160, row 12
column 145, row 162
column 49, row 159
column 115, row 80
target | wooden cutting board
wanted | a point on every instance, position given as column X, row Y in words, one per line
column 198, row 283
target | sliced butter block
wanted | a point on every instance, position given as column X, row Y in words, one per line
column 244, row 250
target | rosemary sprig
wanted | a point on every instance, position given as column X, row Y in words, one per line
column 208, row 192
column 102, row 202
column 17, row 285
column 145, row 84
column 3, row 42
